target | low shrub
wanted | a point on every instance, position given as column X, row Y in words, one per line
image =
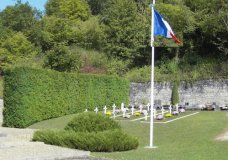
column 91, row 122
column 106, row 141
column 139, row 74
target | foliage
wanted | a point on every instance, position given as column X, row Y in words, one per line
column 120, row 31
column 123, row 44
column 26, row 90
column 175, row 95
column 98, row 6
column 88, row 34
column 61, row 58
column 208, row 15
column 139, row 74
column 15, row 48
column 117, row 67
column 55, row 30
column 98, row 62
column 89, row 131
column 190, row 68
column 20, row 17
column 184, row 24
column 91, row 122
column 106, row 141
column 71, row 9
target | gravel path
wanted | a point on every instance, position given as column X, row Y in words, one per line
column 15, row 144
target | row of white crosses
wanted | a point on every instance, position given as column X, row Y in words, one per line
column 132, row 109
column 124, row 110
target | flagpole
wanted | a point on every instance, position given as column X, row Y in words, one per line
column 152, row 81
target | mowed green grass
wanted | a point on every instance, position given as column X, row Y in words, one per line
column 55, row 123
column 191, row 138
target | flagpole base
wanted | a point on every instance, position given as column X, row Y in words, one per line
column 151, row 147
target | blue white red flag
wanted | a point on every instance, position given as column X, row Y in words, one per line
column 162, row 28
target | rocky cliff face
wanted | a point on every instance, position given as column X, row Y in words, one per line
column 192, row 93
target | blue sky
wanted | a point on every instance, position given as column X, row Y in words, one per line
column 39, row 4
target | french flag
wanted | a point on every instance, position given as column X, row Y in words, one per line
column 162, row 28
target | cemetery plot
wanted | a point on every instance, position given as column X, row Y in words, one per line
column 173, row 117
column 142, row 113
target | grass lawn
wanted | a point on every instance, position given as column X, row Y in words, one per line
column 191, row 138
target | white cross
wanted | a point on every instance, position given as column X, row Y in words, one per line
column 114, row 108
column 148, row 107
column 132, row 110
column 122, row 107
column 170, row 109
column 124, row 112
column 140, row 108
column 155, row 112
column 96, row 110
column 105, row 109
column 177, row 107
column 145, row 113
column 163, row 110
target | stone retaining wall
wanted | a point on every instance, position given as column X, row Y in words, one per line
column 199, row 92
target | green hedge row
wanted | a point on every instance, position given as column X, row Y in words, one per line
column 106, row 141
column 33, row 95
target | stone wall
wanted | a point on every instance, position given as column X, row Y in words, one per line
column 199, row 92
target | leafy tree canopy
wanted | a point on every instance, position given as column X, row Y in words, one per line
column 14, row 49
column 70, row 9
column 20, row 17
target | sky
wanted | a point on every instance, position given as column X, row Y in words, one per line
column 39, row 4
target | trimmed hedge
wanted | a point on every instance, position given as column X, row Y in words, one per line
column 106, row 141
column 33, row 95
column 175, row 94
column 91, row 122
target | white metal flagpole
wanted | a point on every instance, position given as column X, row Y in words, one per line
column 152, row 81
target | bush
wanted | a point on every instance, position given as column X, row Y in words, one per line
column 139, row 74
column 15, row 48
column 62, row 59
column 175, row 94
column 91, row 122
column 33, row 95
column 89, row 34
column 106, row 141
column 117, row 67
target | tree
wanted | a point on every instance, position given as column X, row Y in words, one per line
column 123, row 29
column 175, row 94
column 70, row 9
column 23, row 18
column 89, row 34
column 98, row 6
column 14, row 49
column 183, row 23
column 60, row 58
column 55, row 30
column 212, row 26
column 20, row 17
